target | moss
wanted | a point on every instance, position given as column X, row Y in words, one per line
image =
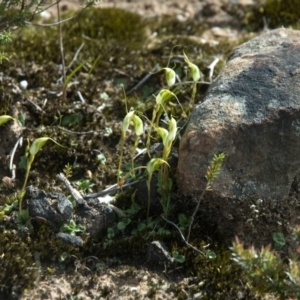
column 106, row 32
column 18, row 271
column 276, row 13
column 168, row 26
column 219, row 278
column 49, row 247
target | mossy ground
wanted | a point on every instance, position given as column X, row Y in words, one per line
column 120, row 48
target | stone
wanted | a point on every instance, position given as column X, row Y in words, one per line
column 53, row 207
column 57, row 210
column 95, row 217
column 73, row 240
column 251, row 113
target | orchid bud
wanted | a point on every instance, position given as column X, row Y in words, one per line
column 172, row 131
column 154, row 164
column 163, row 96
column 170, row 76
column 195, row 72
column 138, row 125
column 127, row 120
column 163, row 133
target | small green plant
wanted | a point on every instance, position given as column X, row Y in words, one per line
column 110, row 233
column 134, row 208
column 109, row 237
column 71, row 120
column 84, row 184
column 279, row 240
column 178, row 257
column 184, row 221
column 148, row 224
column 72, row 228
column 211, row 174
column 196, row 75
column 11, row 207
column 168, row 136
column 153, row 165
column 68, row 170
column 123, row 224
column 165, row 183
column 29, row 157
column 23, row 219
column 130, row 117
column 267, row 272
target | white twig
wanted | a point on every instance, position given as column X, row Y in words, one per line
column 76, row 132
column 12, row 167
column 61, row 48
column 185, row 241
column 109, row 190
column 211, row 68
column 80, row 97
column 75, row 56
column 76, row 195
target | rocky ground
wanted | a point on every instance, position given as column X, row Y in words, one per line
column 123, row 48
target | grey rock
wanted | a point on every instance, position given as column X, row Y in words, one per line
column 96, row 217
column 53, row 207
column 69, row 239
column 57, row 210
column 252, row 114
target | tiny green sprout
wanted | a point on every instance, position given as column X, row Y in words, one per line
column 4, row 119
column 178, row 257
column 110, row 233
column 30, row 154
column 211, row 174
column 184, row 221
column 72, row 228
column 84, row 184
column 68, row 170
column 214, row 168
column 153, row 165
column 279, row 240
column 123, row 224
column 170, row 76
column 23, row 219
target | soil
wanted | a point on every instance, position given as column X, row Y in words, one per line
column 86, row 119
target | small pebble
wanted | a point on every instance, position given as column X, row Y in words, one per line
column 23, row 84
